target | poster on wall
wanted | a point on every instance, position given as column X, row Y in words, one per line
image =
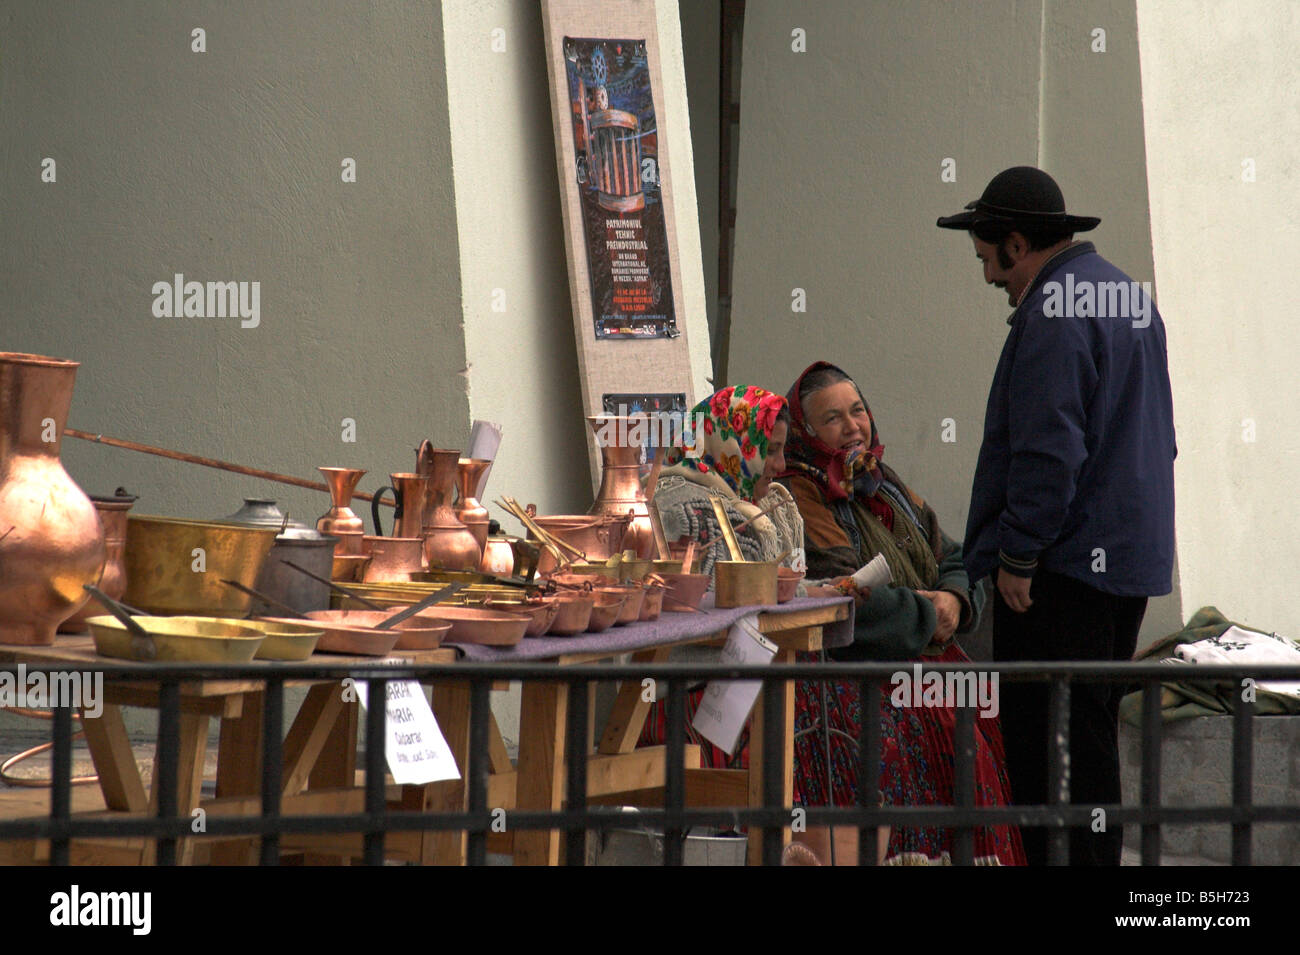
column 616, row 145
column 667, row 414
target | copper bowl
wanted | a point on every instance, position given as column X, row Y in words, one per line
column 787, row 584
column 354, row 632
column 413, row 633
column 482, row 625
column 653, row 603
column 606, row 611
column 543, row 613
column 684, row 591
column 574, row 613
column 633, row 597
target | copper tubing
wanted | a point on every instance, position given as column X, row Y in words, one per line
column 13, row 761
column 213, row 463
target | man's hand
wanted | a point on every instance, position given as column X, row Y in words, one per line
column 947, row 612
column 1014, row 590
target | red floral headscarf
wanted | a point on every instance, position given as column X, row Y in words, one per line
column 731, row 432
column 840, row 476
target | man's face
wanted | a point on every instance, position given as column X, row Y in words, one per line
column 1001, row 269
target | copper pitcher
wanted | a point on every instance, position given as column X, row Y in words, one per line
column 51, row 539
column 468, row 510
column 620, row 479
column 448, row 544
column 409, row 492
column 340, row 520
column 112, row 517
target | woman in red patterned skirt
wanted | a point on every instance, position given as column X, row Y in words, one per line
column 854, row 508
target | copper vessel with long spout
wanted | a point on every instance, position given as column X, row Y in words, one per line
column 340, row 520
column 620, row 479
column 469, row 511
column 51, row 538
column 448, row 544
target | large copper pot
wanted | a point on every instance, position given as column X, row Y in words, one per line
column 468, row 509
column 51, row 541
column 340, row 520
column 620, row 479
column 599, row 536
column 448, row 544
column 112, row 517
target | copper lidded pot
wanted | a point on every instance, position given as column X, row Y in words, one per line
column 620, row 479
column 51, row 539
column 112, row 517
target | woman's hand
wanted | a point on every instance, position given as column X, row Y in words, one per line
column 841, row 587
column 947, row 612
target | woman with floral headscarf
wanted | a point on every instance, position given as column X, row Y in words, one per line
column 854, row 508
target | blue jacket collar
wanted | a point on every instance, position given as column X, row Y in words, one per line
column 1072, row 251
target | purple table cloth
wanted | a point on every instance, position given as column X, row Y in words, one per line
column 670, row 628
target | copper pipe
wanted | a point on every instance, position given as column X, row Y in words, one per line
column 212, row 463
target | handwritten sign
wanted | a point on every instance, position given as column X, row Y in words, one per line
column 416, row 750
column 726, row 704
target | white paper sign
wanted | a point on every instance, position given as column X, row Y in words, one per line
column 417, row 751
column 484, row 441
column 726, row 704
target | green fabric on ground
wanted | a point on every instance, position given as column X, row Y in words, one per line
column 1184, row 701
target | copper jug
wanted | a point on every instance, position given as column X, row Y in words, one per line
column 51, row 539
column 112, row 517
column 468, row 510
column 340, row 520
column 448, row 544
column 409, row 491
column 620, row 479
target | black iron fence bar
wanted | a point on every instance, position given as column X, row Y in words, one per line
column 1150, row 797
column 599, row 817
column 1243, row 762
column 1058, row 768
column 61, row 793
column 963, row 843
column 575, row 840
column 272, row 766
column 376, row 797
column 1020, row 671
column 166, row 766
column 773, row 768
column 480, row 710
column 675, row 774
column 868, row 769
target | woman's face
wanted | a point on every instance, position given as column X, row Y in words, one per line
column 774, row 463
column 838, row 417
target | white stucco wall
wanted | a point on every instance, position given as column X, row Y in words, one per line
column 1220, row 86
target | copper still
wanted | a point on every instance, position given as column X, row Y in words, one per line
column 620, row 480
column 112, row 517
column 340, row 520
column 448, row 544
column 468, row 509
column 51, row 539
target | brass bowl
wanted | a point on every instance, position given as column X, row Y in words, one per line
column 574, row 613
column 744, row 583
column 180, row 639
column 286, row 641
column 787, row 584
column 684, row 592
column 160, row 558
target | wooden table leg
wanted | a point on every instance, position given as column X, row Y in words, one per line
column 239, row 771
column 110, row 749
column 628, row 716
column 785, row 754
column 189, row 780
column 542, row 719
column 309, row 735
column 336, row 767
column 451, row 710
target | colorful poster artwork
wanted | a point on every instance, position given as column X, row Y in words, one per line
column 617, row 145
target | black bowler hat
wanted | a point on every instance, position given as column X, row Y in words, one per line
column 1021, row 195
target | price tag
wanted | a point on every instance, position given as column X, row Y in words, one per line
column 417, row 751
column 726, row 704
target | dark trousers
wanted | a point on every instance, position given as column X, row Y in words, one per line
column 1068, row 621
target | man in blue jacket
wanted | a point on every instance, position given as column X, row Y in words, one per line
column 1072, row 506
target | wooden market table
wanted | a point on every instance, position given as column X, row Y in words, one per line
column 320, row 746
